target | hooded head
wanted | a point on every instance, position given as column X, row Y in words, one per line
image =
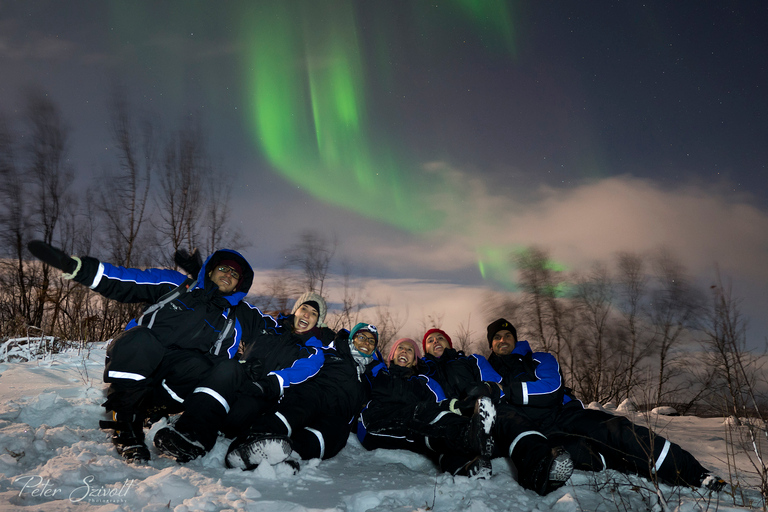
column 314, row 300
column 433, row 331
column 500, row 325
column 407, row 341
column 238, row 263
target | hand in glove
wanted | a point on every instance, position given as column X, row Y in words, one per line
column 489, row 389
column 55, row 257
column 253, row 369
column 267, row 388
column 189, row 263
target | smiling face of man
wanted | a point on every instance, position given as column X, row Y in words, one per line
column 503, row 343
column 226, row 278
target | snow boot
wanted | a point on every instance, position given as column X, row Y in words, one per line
column 128, row 436
column 178, row 445
column 477, row 436
column 713, row 483
column 247, row 453
column 549, row 473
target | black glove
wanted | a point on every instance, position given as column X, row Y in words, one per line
column 464, row 407
column 54, row 257
column 267, row 388
column 253, row 369
column 189, row 263
column 489, row 389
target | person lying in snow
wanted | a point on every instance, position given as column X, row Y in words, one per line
column 314, row 418
column 532, row 381
column 543, row 465
column 190, row 325
column 237, row 392
column 409, row 411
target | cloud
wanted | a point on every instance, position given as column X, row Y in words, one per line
column 592, row 222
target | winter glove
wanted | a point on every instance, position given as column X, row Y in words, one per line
column 489, row 389
column 55, row 257
column 253, row 369
column 267, row 388
column 463, row 407
column 190, row 263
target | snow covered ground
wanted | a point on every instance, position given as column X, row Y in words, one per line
column 53, row 457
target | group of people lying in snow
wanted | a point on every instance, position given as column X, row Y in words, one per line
column 291, row 385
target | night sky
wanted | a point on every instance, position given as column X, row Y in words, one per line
column 433, row 138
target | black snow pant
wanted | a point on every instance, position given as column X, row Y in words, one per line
column 144, row 377
column 597, row 439
column 221, row 402
column 424, row 427
column 316, row 415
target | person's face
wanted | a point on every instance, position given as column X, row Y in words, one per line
column 436, row 344
column 404, row 355
column 305, row 318
column 226, row 278
column 364, row 342
column 503, row 343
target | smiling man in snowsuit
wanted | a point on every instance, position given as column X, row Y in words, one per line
column 237, row 392
column 190, row 325
column 542, row 464
column 532, row 381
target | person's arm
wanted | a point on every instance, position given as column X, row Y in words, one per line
column 544, row 392
column 303, row 368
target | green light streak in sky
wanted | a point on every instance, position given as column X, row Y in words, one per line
column 307, row 90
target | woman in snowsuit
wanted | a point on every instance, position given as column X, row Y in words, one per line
column 543, row 465
column 314, row 418
column 190, row 325
column 595, row 439
column 409, row 411
column 237, row 392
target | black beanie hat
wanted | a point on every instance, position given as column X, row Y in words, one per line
column 500, row 325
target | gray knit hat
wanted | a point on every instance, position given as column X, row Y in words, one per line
column 316, row 301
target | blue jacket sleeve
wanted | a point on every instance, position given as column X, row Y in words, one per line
column 434, row 387
column 302, row 369
column 133, row 285
column 544, row 392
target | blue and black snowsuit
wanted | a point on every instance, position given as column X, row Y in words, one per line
column 532, row 382
column 162, row 355
column 515, row 436
column 317, row 414
column 409, row 411
column 228, row 401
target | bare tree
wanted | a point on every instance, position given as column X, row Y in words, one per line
column 49, row 176
column 599, row 366
column 632, row 289
column 541, row 281
column 311, row 256
column 14, row 230
column 738, row 375
column 181, row 201
column 675, row 308
column 123, row 193
column 219, row 230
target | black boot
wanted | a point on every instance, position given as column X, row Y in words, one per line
column 128, row 436
column 549, row 471
column 178, row 445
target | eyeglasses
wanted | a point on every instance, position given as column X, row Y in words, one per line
column 228, row 270
column 362, row 338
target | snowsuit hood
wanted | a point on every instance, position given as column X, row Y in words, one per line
column 246, row 279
